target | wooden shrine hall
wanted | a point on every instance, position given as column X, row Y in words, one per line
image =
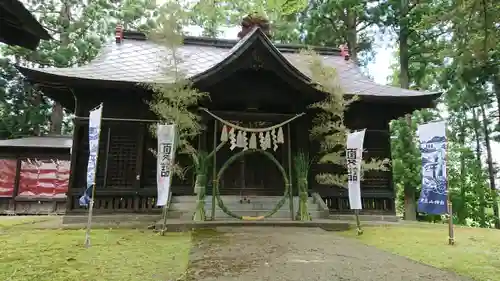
column 251, row 81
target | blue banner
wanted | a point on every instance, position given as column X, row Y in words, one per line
column 94, row 133
column 434, row 194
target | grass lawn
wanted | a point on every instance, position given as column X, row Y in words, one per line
column 10, row 221
column 116, row 254
column 476, row 253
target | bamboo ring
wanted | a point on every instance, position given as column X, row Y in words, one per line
column 235, row 157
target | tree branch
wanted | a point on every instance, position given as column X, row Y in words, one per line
column 411, row 7
column 50, row 29
column 358, row 30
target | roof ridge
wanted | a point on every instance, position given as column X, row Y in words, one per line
column 229, row 43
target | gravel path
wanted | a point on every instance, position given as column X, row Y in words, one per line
column 298, row 254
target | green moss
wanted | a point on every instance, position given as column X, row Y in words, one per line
column 57, row 255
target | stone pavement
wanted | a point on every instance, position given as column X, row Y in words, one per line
column 299, row 254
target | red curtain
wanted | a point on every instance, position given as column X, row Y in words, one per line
column 44, row 178
column 7, row 177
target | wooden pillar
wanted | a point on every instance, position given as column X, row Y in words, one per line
column 139, row 164
column 16, row 184
column 75, row 150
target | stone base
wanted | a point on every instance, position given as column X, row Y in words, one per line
column 180, row 226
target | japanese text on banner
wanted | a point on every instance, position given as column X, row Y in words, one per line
column 354, row 155
column 434, row 192
column 165, row 159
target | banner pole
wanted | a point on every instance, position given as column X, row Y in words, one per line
column 89, row 222
column 172, row 162
column 451, row 234
column 164, row 215
column 358, row 222
column 91, row 203
column 354, row 158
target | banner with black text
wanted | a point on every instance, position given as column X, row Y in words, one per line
column 354, row 155
column 165, row 159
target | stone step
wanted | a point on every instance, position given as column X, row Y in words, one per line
column 258, row 206
column 259, row 199
column 255, row 213
column 233, row 202
column 183, row 199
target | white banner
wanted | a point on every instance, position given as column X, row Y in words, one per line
column 94, row 133
column 165, row 159
column 354, row 155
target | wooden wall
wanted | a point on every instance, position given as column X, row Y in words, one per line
column 126, row 176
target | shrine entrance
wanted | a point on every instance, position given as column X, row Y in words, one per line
column 252, row 174
column 252, row 159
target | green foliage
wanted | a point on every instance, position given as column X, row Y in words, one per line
column 79, row 28
column 202, row 165
column 23, row 111
column 451, row 49
column 336, row 22
column 174, row 98
column 328, row 125
column 301, row 166
column 211, row 15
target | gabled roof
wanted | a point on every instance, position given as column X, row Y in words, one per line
column 19, row 26
column 137, row 59
column 44, row 142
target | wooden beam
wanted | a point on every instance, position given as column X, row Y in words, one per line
column 251, row 116
column 139, row 163
column 17, row 179
column 75, row 149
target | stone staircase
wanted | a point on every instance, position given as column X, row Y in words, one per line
column 182, row 207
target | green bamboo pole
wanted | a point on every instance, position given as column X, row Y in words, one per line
column 214, row 169
column 290, row 189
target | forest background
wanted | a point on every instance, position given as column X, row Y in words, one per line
column 434, row 45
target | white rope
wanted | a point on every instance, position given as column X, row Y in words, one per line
column 252, row 130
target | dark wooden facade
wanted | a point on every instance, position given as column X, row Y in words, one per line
column 19, row 27
column 255, row 85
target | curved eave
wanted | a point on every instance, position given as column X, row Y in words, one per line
column 19, row 26
column 59, row 82
column 425, row 100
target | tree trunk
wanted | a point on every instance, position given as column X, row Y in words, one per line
column 352, row 34
column 462, row 212
column 491, row 168
column 482, row 199
column 404, row 81
column 496, row 89
column 57, row 113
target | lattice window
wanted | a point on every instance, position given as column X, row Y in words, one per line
column 122, row 155
column 120, row 159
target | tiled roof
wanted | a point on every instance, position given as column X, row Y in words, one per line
column 45, row 142
column 138, row 60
